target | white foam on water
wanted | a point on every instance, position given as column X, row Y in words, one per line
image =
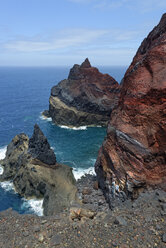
column 3, row 152
column 1, row 170
column 2, row 156
column 35, row 205
column 74, row 128
column 79, row 172
column 42, row 117
column 7, row 185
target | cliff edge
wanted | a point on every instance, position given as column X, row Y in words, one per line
column 133, row 155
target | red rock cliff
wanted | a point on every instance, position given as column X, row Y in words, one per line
column 87, row 97
column 134, row 151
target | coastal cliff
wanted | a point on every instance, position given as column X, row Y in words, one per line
column 87, row 97
column 133, row 155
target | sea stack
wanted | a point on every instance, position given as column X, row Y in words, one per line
column 31, row 165
column 87, row 97
column 133, row 155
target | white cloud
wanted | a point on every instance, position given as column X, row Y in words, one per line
column 66, row 39
column 110, row 47
column 137, row 5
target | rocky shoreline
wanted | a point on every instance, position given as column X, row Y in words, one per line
column 124, row 205
column 140, row 223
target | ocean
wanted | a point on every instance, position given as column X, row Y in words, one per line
column 24, row 94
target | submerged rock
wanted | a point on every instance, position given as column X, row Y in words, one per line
column 32, row 166
column 87, row 97
column 133, row 155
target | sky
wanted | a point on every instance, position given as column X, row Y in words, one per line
column 65, row 32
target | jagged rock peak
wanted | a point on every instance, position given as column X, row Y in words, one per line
column 76, row 72
column 86, row 64
column 155, row 34
column 39, row 147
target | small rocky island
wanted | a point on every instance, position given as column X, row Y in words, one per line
column 87, row 97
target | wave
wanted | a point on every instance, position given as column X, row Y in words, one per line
column 34, row 205
column 1, row 170
column 2, row 156
column 42, row 117
column 74, row 128
column 7, row 185
column 79, row 172
column 3, row 152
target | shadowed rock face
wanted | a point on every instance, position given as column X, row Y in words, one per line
column 87, row 97
column 39, row 147
column 134, row 152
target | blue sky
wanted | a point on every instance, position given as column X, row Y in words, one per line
column 64, row 32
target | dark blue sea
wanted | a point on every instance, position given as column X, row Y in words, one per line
column 24, row 94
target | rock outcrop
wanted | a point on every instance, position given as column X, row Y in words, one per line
column 39, row 147
column 31, row 165
column 87, row 97
column 16, row 150
column 133, row 154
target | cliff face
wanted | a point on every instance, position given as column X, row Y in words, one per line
column 134, row 153
column 87, row 97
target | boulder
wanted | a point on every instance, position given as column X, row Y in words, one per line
column 81, row 212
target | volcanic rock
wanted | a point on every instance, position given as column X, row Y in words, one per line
column 87, row 97
column 14, row 155
column 133, row 155
column 39, row 147
column 32, row 166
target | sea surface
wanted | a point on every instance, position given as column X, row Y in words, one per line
column 24, row 94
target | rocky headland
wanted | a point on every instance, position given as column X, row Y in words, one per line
column 124, row 205
column 87, row 97
column 31, row 165
column 133, row 155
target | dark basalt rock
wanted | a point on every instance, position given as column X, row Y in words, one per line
column 39, row 147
